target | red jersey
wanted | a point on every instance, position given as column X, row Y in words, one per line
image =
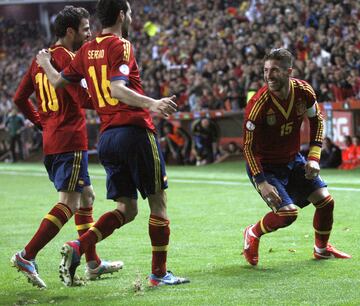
column 104, row 59
column 272, row 126
column 59, row 111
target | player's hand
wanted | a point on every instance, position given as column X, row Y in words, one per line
column 165, row 106
column 312, row 169
column 270, row 195
column 43, row 57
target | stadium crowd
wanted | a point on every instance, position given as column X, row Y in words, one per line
column 209, row 52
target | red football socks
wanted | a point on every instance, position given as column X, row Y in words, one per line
column 103, row 228
column 273, row 221
column 48, row 229
column 159, row 232
column 84, row 220
column 323, row 220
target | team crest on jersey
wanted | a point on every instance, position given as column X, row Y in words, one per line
column 250, row 126
column 270, row 117
column 124, row 69
column 300, row 108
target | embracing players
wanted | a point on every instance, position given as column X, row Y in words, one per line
column 62, row 121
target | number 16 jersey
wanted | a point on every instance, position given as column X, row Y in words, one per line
column 102, row 60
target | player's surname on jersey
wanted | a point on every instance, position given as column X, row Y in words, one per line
column 95, row 54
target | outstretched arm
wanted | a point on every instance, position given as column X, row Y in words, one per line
column 165, row 106
column 43, row 58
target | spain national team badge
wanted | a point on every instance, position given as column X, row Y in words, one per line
column 300, row 108
column 270, row 117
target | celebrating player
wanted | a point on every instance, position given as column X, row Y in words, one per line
column 62, row 121
column 281, row 175
column 128, row 149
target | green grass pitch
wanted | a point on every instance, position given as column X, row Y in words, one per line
column 208, row 207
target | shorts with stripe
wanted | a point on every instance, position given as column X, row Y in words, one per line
column 68, row 171
column 290, row 181
column 133, row 161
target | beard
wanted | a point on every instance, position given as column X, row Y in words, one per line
column 125, row 28
column 77, row 45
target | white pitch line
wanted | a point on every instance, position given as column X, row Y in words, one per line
column 175, row 180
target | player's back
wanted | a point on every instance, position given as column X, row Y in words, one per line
column 62, row 118
column 104, row 59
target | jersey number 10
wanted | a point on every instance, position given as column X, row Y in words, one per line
column 45, row 87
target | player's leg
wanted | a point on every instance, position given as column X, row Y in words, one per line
column 110, row 221
column 120, row 188
column 62, row 170
column 148, row 169
column 49, row 227
column 84, row 220
column 159, row 232
column 322, row 222
column 271, row 222
column 281, row 217
column 95, row 267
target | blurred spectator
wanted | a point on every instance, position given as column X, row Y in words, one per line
column 232, row 148
column 348, row 154
column 218, row 68
column 356, row 150
column 205, row 137
column 330, row 154
column 15, row 124
column 177, row 142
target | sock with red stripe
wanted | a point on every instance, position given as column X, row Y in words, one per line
column 159, row 232
column 323, row 220
column 103, row 228
column 273, row 221
column 83, row 221
column 48, row 229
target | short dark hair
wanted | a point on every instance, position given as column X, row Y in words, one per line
column 282, row 55
column 108, row 10
column 69, row 17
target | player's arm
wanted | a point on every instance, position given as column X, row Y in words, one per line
column 22, row 101
column 312, row 167
column 43, row 58
column 165, row 106
column 252, row 135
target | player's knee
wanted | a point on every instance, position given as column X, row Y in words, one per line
column 289, row 220
column 87, row 197
column 131, row 214
column 326, row 203
column 288, row 216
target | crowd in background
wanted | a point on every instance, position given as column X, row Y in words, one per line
column 209, row 52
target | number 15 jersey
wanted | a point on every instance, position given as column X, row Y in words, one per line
column 102, row 60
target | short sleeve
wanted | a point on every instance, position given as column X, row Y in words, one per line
column 120, row 57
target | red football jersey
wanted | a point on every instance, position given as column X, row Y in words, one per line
column 272, row 126
column 104, row 59
column 58, row 111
